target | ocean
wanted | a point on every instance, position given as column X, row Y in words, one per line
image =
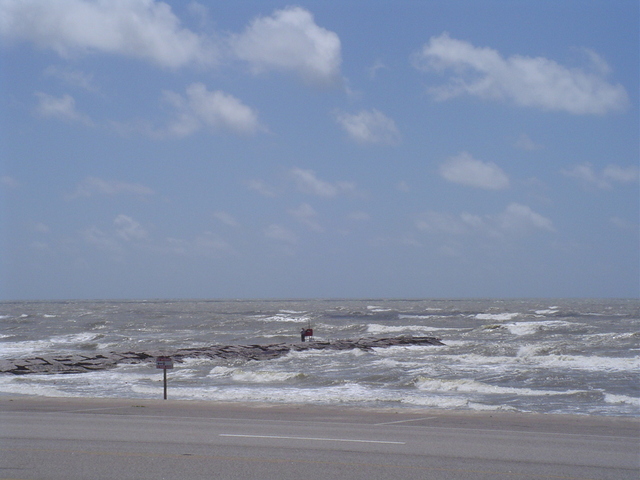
column 561, row 356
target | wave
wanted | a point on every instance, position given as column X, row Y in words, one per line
column 261, row 376
column 525, row 358
column 32, row 347
column 611, row 398
column 529, row 328
column 283, row 317
column 472, row 386
column 548, row 311
column 377, row 329
column 498, row 317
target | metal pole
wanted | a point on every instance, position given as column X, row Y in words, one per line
column 165, row 382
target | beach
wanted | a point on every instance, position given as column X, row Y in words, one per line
column 106, row 438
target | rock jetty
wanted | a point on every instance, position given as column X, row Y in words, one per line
column 80, row 363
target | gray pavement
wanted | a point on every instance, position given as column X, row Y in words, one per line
column 147, row 439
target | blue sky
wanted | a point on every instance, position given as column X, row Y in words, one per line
column 260, row 149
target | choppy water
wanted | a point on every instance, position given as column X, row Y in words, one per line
column 548, row 356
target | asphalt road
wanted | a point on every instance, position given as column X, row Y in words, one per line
column 140, row 439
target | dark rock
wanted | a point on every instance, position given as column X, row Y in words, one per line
column 103, row 361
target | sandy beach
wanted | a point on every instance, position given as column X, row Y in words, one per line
column 55, row 438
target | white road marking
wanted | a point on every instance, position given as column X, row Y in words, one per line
column 311, row 438
column 405, row 421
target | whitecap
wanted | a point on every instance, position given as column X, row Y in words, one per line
column 378, row 309
column 528, row 328
column 245, row 376
column 498, row 317
column 466, row 385
column 377, row 329
column 611, row 398
column 282, row 317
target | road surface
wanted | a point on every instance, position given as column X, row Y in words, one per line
column 120, row 439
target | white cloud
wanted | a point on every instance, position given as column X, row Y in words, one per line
column 290, row 40
column 525, row 81
column 137, row 28
column 525, row 142
column 102, row 240
column 8, row 181
column 282, row 234
column 359, row 216
column 516, row 220
column 605, row 179
column 216, row 110
column 63, row 108
column 373, row 70
column 261, row 187
column 306, row 215
column 74, row 78
column 370, row 127
column 92, row 186
column 614, row 173
column 307, row 182
column 41, row 228
column 466, row 170
column 623, row 224
column 403, row 186
column 128, row 229
column 226, row 218
column 205, row 245
column 437, row 222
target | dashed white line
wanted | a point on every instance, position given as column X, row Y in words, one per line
column 405, row 421
column 317, row 439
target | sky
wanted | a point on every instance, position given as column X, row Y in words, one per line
column 354, row 149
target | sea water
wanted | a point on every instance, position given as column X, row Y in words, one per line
column 547, row 356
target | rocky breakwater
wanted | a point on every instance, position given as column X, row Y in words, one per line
column 81, row 363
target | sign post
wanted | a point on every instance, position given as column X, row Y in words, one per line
column 164, row 363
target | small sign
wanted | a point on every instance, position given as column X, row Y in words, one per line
column 164, row 362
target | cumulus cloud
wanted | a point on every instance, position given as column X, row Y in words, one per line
column 92, row 186
column 207, row 245
column 226, row 218
column 605, row 179
column 519, row 218
column 466, row 170
column 215, row 110
column 126, row 232
column 516, row 219
column 96, row 237
column 62, row 108
column 308, row 182
column 281, row 234
column 306, row 215
column 290, row 40
column 136, row 28
column 128, row 229
column 8, row 181
column 525, row 81
column 525, row 142
column 369, row 127
column 74, row 78
column 261, row 187
column 624, row 224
